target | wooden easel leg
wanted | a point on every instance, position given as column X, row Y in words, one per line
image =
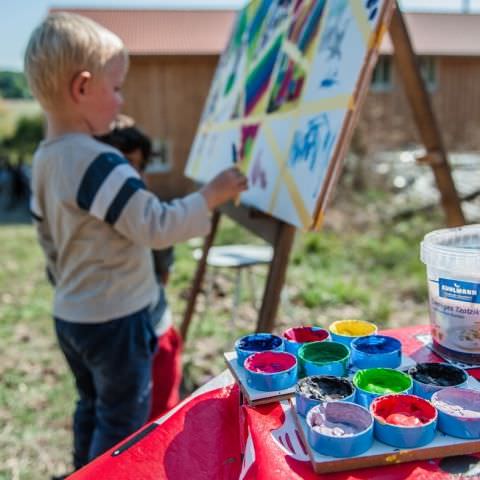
column 199, row 274
column 420, row 103
column 276, row 278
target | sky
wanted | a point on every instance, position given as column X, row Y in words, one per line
column 19, row 17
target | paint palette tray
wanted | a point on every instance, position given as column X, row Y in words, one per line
column 381, row 454
column 258, row 397
column 254, row 396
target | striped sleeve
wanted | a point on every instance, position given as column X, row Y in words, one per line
column 107, row 186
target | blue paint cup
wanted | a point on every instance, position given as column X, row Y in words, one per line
column 257, row 342
column 404, row 421
column 458, row 412
column 375, row 382
column 376, row 351
column 339, row 429
column 317, row 389
column 295, row 337
column 271, row 371
column 345, row 331
column 324, row 358
column 430, row 377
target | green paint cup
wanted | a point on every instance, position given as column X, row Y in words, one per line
column 324, row 358
column 375, row 382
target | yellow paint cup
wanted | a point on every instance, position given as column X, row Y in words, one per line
column 344, row 331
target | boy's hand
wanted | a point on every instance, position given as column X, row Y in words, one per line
column 225, row 186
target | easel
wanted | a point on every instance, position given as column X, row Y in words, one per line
column 280, row 235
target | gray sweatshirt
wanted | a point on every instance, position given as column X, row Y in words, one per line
column 97, row 224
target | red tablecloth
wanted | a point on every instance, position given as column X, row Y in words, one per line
column 208, row 437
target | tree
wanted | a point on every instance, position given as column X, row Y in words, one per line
column 28, row 133
column 13, row 85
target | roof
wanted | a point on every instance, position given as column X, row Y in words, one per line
column 206, row 32
column 453, row 34
column 166, row 32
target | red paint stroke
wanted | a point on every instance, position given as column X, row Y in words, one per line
column 305, row 334
column 269, row 362
column 249, row 132
column 289, row 443
column 404, row 410
column 300, row 441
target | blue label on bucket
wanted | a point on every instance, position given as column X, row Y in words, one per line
column 457, row 290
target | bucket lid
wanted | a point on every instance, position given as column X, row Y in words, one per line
column 453, row 249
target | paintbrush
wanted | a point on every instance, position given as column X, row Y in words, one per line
column 236, row 201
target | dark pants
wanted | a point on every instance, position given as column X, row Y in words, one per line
column 112, row 366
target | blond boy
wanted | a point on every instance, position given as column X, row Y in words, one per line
column 96, row 223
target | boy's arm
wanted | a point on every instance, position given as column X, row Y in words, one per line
column 112, row 191
column 150, row 222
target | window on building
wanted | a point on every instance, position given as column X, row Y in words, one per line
column 382, row 74
column 428, row 69
column 161, row 157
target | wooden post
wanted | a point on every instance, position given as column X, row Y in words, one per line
column 199, row 274
column 276, row 278
column 407, row 68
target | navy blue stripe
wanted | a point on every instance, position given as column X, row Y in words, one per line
column 35, row 216
column 123, row 196
column 96, row 174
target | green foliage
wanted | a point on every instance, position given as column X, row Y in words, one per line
column 26, row 136
column 13, row 85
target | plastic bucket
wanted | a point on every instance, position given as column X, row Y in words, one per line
column 452, row 258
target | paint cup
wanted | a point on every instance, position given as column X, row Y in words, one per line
column 324, row 358
column 404, row 421
column 271, row 371
column 458, row 412
column 311, row 391
column 376, row 351
column 428, row 378
column 295, row 337
column 257, row 342
column 344, row 331
column 452, row 259
column 339, row 429
column 375, row 382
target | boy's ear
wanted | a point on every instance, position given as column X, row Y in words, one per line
column 80, row 85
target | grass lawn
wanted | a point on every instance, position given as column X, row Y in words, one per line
column 371, row 272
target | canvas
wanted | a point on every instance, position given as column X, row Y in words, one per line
column 284, row 96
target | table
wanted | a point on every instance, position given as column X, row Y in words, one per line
column 208, row 437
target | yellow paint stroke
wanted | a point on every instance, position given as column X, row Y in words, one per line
column 302, row 212
column 351, row 104
column 391, row 458
column 376, row 40
column 325, row 104
column 195, row 167
column 295, row 54
column 362, row 21
column 319, row 222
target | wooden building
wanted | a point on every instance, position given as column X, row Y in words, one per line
column 174, row 54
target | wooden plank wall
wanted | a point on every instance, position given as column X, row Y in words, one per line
column 165, row 95
column 386, row 121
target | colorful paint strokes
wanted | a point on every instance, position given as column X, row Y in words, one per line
column 283, row 92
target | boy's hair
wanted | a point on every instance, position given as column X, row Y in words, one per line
column 63, row 45
column 125, row 136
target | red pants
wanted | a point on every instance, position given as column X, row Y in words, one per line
column 166, row 373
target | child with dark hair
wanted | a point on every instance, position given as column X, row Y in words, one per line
column 167, row 365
